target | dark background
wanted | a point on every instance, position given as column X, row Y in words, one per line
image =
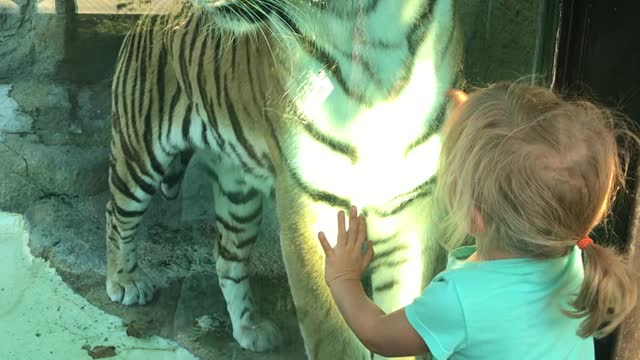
column 599, row 57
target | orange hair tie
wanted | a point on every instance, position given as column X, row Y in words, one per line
column 584, row 242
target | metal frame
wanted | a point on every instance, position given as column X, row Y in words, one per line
column 573, row 39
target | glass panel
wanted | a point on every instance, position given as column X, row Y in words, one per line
column 312, row 105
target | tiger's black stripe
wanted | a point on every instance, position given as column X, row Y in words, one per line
column 148, row 144
column 413, row 39
column 142, row 184
column 234, row 55
column 333, row 67
column 317, row 195
column 419, row 28
column 210, row 173
column 135, row 157
column 385, row 286
column 216, row 70
column 270, row 166
column 322, row 6
column 124, row 73
column 227, row 226
column 138, row 89
column 252, row 83
column 388, row 265
column 126, row 240
column 449, row 41
column 243, row 219
column 240, row 198
column 241, row 160
column 186, row 123
column 170, row 118
column 420, row 191
column 236, row 280
column 244, row 312
column 160, row 91
column 127, row 213
column 209, row 107
column 115, row 230
column 182, row 61
column 194, row 38
column 172, row 179
column 121, row 186
column 430, row 130
column 230, row 256
column 133, row 268
column 390, row 252
column 249, row 241
column 237, row 128
column 332, row 143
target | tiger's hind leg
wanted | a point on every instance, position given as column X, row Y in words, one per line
column 238, row 208
column 131, row 185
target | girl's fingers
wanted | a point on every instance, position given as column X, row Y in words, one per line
column 353, row 225
column 324, row 243
column 362, row 232
column 368, row 256
column 342, row 231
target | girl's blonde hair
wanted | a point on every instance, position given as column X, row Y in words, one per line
column 542, row 172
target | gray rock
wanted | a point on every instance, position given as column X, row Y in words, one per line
column 31, row 40
column 49, row 105
column 94, row 107
column 67, row 169
column 31, row 170
column 70, row 232
column 12, row 120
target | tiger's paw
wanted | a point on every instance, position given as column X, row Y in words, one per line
column 135, row 288
column 259, row 336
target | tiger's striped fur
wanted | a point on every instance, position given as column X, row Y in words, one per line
column 327, row 103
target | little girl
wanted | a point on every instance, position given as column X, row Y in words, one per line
column 528, row 176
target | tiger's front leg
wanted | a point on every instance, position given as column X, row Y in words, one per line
column 326, row 335
column 407, row 256
column 239, row 209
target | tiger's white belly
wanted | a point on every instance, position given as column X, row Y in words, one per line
column 380, row 133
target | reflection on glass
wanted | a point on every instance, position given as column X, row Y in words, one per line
column 56, row 78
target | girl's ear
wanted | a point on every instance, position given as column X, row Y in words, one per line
column 477, row 222
column 458, row 97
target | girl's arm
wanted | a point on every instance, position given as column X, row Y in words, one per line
column 384, row 334
column 387, row 335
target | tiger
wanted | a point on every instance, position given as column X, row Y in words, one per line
column 314, row 104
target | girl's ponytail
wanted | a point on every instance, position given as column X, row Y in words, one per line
column 608, row 294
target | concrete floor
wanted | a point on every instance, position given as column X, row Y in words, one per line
column 51, row 314
column 43, row 318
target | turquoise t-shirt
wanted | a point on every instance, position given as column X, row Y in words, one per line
column 502, row 309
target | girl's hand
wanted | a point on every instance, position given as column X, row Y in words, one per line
column 346, row 261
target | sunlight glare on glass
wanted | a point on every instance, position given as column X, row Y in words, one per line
column 123, row 7
column 9, row 7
